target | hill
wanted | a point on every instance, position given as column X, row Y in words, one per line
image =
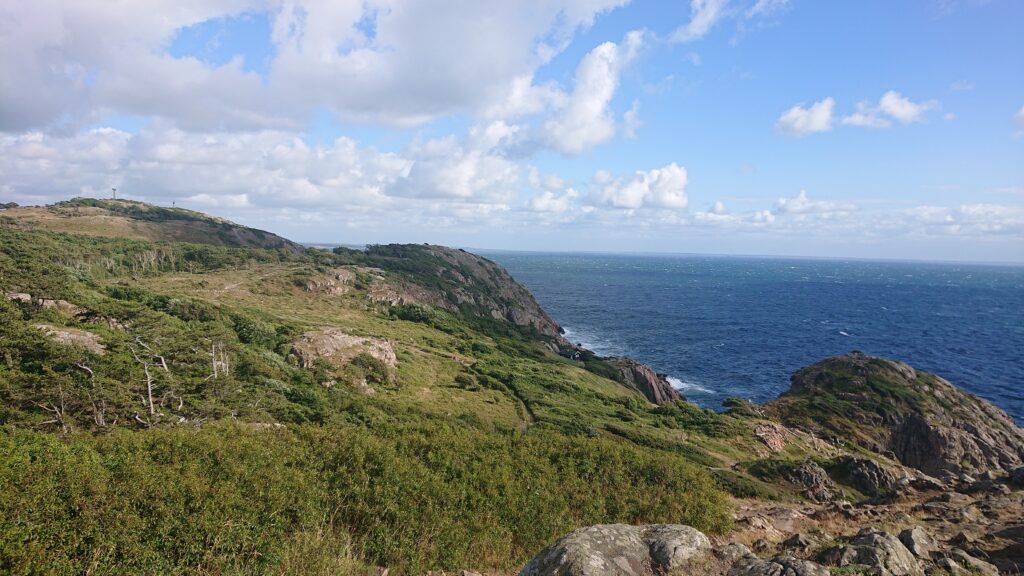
column 140, row 221
column 211, row 407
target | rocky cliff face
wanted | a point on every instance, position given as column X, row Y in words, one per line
column 888, row 407
column 645, row 380
column 458, row 281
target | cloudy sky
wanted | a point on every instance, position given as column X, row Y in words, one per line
column 865, row 129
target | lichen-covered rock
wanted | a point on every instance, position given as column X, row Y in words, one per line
column 338, row 348
column 918, row 542
column 74, row 337
column 815, row 481
column 880, row 551
column 773, row 436
column 966, row 564
column 865, row 475
column 620, row 550
column 778, row 566
column 730, row 553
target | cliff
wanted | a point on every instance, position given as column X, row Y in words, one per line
column 885, row 406
column 457, row 281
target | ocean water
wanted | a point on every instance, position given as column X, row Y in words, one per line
column 732, row 326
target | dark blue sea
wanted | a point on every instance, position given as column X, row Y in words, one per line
column 738, row 326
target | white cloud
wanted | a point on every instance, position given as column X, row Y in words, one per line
column 586, row 121
column 1018, row 119
column 550, row 202
column 967, row 220
column 800, row 121
column 659, row 188
column 70, row 62
column 445, row 168
column 902, row 109
column 818, row 117
column 866, row 116
column 961, row 86
column 800, row 204
column 631, row 120
column 704, row 14
column 764, row 8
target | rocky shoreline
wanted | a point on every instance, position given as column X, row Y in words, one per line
column 921, row 478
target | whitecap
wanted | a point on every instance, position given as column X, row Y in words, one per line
column 690, row 386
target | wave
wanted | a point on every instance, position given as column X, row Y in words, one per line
column 690, row 386
column 590, row 341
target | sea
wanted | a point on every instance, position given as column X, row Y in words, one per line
column 722, row 326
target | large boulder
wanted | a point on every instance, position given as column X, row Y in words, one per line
column 815, row 482
column 918, row 542
column 621, row 550
column 642, row 378
column 865, row 475
column 881, row 552
column 890, row 408
column 778, row 566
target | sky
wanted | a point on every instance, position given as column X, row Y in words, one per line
column 867, row 129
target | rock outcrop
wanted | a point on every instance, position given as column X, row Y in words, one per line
column 338, row 348
column 642, row 378
column 867, row 476
column 888, row 407
column 815, row 481
column 74, row 337
column 778, row 566
column 457, row 281
column 882, row 552
column 621, row 550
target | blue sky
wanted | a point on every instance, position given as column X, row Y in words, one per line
column 788, row 127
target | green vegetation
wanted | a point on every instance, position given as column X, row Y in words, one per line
column 235, row 498
column 156, row 418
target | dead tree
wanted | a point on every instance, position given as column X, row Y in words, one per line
column 219, row 364
column 99, row 409
column 58, row 411
column 149, row 379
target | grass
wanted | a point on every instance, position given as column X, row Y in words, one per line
column 477, row 451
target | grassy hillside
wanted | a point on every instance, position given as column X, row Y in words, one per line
column 176, row 407
column 140, row 221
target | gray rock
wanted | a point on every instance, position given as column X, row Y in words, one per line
column 925, row 482
column 918, row 542
column 815, row 481
column 731, row 553
column 880, row 551
column 1016, row 477
column 620, row 550
column 798, row 542
column 642, row 378
column 866, row 475
column 885, row 551
column 778, row 566
column 970, row 565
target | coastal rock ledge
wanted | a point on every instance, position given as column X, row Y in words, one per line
column 889, row 408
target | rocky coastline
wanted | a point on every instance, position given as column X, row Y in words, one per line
column 937, row 472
